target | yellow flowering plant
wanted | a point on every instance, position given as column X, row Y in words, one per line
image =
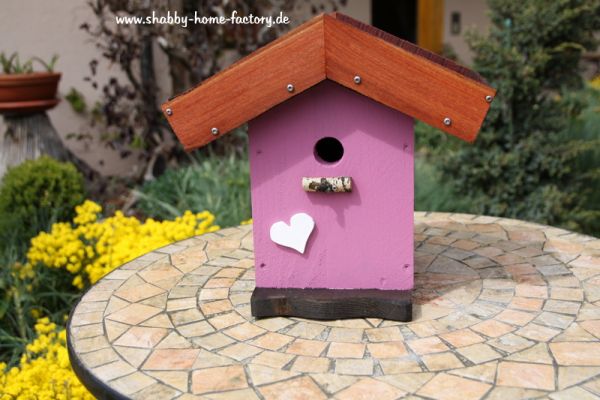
column 44, row 371
column 90, row 247
column 86, row 248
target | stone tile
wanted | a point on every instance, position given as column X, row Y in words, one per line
column 479, row 353
column 137, row 293
column 245, row 331
column 181, row 304
column 311, row 364
column 240, row 351
column 186, row 316
column 90, row 344
column 513, row 393
column 528, row 304
column 199, row 328
column 219, row 379
column 538, row 332
column 273, row 359
column 492, row 328
column 524, row 290
column 345, row 335
column 441, row 361
column 171, row 359
column 427, row 345
column 554, row 320
column 571, row 294
column 114, row 329
column 99, row 357
column 510, row 343
column 388, row 334
column 261, row 374
column 174, row 341
column 332, row 383
column 569, row 376
column 354, row 367
column 226, row 320
column 216, row 307
column 134, row 314
column 462, row 337
column 576, row 353
column 213, row 294
column 294, row 389
column 562, row 307
column 272, row 341
column 573, row 393
column 449, row 387
column 219, row 283
column 112, row 370
column 514, row 317
column 346, row 350
column 537, row 354
column 394, row 366
column 307, row 347
column 132, row 355
column 529, row 376
column 175, row 379
column 159, row 321
column 240, row 394
column 133, row 383
column 370, row 388
column 86, row 331
column 207, row 359
column 387, row 350
column 141, row 337
column 306, row 330
column 274, row 324
column 482, row 372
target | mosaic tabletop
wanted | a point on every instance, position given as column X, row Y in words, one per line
column 504, row 309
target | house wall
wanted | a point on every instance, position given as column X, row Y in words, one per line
column 362, row 239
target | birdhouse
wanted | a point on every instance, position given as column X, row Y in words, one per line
column 330, row 109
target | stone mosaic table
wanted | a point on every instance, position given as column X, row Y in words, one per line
column 504, row 309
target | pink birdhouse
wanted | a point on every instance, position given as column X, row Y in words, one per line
column 330, row 110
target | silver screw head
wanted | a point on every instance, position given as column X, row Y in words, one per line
column 290, row 87
column 169, row 111
column 447, row 121
column 357, row 79
column 489, row 98
column 214, row 131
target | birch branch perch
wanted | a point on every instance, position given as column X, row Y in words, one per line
column 339, row 184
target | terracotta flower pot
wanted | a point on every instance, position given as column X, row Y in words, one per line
column 27, row 93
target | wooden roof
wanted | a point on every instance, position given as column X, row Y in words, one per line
column 393, row 72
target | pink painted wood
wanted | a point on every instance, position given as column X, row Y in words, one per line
column 362, row 239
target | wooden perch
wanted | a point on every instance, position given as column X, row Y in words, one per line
column 340, row 184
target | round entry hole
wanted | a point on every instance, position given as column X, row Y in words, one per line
column 329, row 150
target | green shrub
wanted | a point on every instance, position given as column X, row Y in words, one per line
column 522, row 165
column 34, row 194
column 219, row 184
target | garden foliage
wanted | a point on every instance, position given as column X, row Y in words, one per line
column 524, row 164
column 34, row 193
column 217, row 183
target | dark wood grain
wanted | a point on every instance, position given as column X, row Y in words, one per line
column 329, row 304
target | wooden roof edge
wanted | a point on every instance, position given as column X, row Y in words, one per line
column 216, row 90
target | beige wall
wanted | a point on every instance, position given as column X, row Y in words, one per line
column 473, row 16
column 45, row 27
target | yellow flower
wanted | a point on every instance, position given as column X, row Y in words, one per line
column 44, row 371
column 90, row 247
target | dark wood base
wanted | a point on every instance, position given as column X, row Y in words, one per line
column 332, row 303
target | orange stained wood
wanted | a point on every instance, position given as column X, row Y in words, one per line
column 330, row 47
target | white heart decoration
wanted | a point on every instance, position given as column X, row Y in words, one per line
column 296, row 234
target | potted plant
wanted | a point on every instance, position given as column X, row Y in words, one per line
column 24, row 90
